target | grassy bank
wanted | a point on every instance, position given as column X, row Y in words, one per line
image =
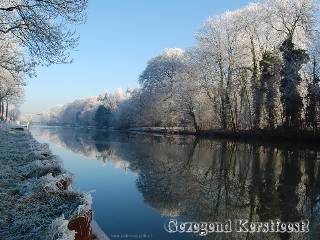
column 37, row 200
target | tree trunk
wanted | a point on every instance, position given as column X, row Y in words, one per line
column 256, row 88
column 223, row 115
column 193, row 116
column 2, row 110
column 7, row 109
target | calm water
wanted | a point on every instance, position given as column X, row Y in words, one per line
column 140, row 181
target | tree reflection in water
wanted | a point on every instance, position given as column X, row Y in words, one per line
column 211, row 180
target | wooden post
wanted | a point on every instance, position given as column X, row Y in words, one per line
column 82, row 226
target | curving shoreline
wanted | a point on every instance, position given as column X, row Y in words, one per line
column 37, row 199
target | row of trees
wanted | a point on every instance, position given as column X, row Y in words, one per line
column 257, row 67
column 253, row 68
column 100, row 111
column 33, row 32
column 78, row 112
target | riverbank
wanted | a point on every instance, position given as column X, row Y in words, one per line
column 278, row 135
column 37, row 199
column 274, row 135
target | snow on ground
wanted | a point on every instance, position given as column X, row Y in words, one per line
column 32, row 205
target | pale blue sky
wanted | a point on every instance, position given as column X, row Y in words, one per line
column 120, row 36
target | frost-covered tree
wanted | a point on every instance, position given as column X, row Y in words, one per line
column 79, row 112
column 313, row 100
column 10, row 91
column 42, row 26
column 313, row 91
column 292, row 19
column 219, row 39
column 13, row 68
column 249, row 70
column 111, row 101
column 158, row 85
column 33, row 32
column 130, row 111
column 257, row 38
column 235, row 69
column 109, row 104
column 295, row 20
column 188, row 92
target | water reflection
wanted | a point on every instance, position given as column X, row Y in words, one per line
column 211, row 180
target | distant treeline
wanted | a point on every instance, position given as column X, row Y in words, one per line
column 253, row 68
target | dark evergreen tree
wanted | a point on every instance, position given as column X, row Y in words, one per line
column 103, row 117
column 293, row 59
column 270, row 66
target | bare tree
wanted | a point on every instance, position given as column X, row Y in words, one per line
column 43, row 26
